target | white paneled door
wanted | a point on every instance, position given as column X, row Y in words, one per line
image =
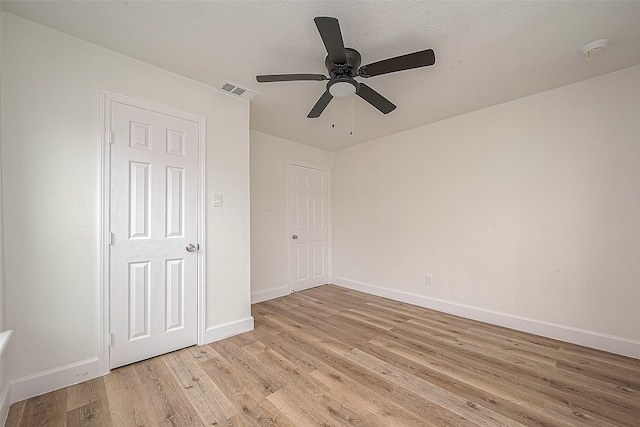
column 153, row 259
column 309, row 226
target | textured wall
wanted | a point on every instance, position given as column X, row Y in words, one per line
column 270, row 158
column 52, row 147
column 529, row 208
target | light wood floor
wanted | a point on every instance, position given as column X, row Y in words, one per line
column 330, row 356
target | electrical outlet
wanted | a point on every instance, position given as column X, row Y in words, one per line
column 427, row 280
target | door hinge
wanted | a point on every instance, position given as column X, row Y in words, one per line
column 110, row 340
column 110, row 239
column 110, row 137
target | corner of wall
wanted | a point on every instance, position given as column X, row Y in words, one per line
column 4, row 336
column 5, row 404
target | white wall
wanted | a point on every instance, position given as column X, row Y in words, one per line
column 270, row 158
column 51, row 168
column 528, row 209
column 4, row 404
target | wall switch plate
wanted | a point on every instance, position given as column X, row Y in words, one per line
column 217, row 200
column 427, row 280
column 268, row 208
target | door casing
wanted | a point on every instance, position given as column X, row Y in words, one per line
column 107, row 99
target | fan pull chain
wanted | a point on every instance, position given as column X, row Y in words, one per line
column 351, row 119
column 333, row 119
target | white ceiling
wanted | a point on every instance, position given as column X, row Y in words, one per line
column 486, row 52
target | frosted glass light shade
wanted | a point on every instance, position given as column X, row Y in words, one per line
column 342, row 90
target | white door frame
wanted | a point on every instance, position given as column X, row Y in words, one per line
column 107, row 99
column 290, row 232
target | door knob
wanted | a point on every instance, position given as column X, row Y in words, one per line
column 191, row 247
column 294, row 237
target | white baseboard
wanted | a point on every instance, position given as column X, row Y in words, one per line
column 53, row 379
column 610, row 343
column 64, row 376
column 226, row 330
column 270, row 294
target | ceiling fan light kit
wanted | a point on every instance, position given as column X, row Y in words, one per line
column 343, row 88
column 343, row 65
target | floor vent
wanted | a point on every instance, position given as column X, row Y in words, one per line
column 239, row 91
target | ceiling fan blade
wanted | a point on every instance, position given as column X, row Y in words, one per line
column 322, row 103
column 329, row 30
column 424, row 58
column 374, row 98
column 289, row 77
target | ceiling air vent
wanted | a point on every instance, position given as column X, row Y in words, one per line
column 239, row 91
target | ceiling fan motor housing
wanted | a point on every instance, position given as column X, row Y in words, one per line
column 350, row 69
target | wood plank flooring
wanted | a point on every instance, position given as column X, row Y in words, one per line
column 330, row 356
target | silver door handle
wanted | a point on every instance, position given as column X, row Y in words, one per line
column 191, row 247
column 294, row 237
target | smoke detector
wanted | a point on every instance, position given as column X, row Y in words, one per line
column 594, row 47
column 234, row 89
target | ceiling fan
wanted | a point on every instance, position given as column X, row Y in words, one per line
column 343, row 65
